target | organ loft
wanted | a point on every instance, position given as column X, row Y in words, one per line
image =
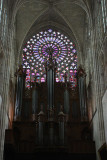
column 50, row 117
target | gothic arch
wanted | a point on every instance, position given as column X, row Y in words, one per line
column 81, row 3
column 45, row 26
column 63, row 53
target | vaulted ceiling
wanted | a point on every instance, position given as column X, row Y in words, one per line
column 68, row 16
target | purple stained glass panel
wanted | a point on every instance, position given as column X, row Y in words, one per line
column 35, row 54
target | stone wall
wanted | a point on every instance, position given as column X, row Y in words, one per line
column 7, row 68
column 95, row 65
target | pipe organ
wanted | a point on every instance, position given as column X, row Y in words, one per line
column 50, row 115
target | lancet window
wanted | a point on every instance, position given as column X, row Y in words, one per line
column 104, row 13
column 1, row 7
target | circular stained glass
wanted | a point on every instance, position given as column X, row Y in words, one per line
column 36, row 53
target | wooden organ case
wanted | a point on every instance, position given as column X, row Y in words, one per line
column 50, row 117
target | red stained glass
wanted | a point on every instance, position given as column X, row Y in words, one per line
column 35, row 54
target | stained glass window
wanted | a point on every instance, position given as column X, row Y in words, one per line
column 104, row 14
column 35, row 54
column 1, row 7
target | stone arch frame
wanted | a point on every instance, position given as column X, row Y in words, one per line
column 45, row 26
column 83, row 4
column 70, row 61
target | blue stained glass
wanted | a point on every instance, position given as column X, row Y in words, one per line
column 73, row 50
column 35, row 53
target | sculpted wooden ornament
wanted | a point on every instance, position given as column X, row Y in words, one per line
column 20, row 71
column 81, row 72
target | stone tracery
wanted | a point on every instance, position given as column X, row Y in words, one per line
column 36, row 53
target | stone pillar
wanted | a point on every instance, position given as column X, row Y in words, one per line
column 104, row 103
